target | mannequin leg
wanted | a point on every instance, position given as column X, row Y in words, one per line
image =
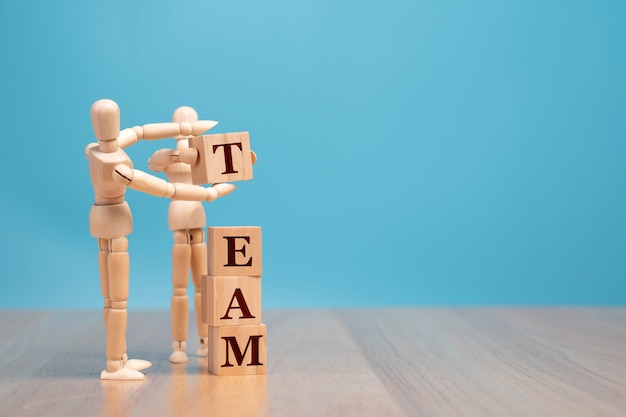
column 181, row 260
column 114, row 264
column 199, row 268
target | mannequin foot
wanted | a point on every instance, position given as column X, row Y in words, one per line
column 203, row 350
column 125, row 369
column 137, row 364
column 122, row 374
column 179, row 355
column 115, row 365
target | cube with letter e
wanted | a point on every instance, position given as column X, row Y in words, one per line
column 234, row 251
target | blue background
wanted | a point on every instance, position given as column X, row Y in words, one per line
column 410, row 152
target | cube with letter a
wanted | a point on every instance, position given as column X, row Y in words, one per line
column 231, row 301
column 234, row 251
column 222, row 157
column 237, row 350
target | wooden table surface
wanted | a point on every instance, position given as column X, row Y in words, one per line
column 359, row 362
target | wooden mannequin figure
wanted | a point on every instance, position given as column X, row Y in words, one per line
column 187, row 221
column 110, row 219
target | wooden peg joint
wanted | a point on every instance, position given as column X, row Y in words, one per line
column 123, row 174
column 185, row 128
column 118, row 305
column 119, row 244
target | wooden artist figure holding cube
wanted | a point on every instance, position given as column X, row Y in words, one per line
column 110, row 219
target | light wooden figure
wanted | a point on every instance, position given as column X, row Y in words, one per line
column 231, row 301
column 187, row 220
column 110, row 219
column 237, row 350
column 235, row 251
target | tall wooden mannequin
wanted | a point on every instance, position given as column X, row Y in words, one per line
column 186, row 220
column 110, row 219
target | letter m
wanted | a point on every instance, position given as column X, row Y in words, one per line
column 253, row 345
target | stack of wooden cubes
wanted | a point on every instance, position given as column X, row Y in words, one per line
column 231, row 292
column 231, row 301
column 231, row 295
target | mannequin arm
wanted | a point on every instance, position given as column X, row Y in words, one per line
column 149, row 184
column 152, row 131
column 162, row 158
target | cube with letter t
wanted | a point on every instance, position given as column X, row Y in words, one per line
column 223, row 157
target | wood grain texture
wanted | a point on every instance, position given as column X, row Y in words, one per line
column 378, row 362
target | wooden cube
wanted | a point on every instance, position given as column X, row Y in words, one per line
column 223, row 157
column 231, row 301
column 237, row 350
column 234, row 251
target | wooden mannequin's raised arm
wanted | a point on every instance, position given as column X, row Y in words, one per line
column 153, row 131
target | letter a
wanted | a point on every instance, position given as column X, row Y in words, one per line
column 241, row 305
